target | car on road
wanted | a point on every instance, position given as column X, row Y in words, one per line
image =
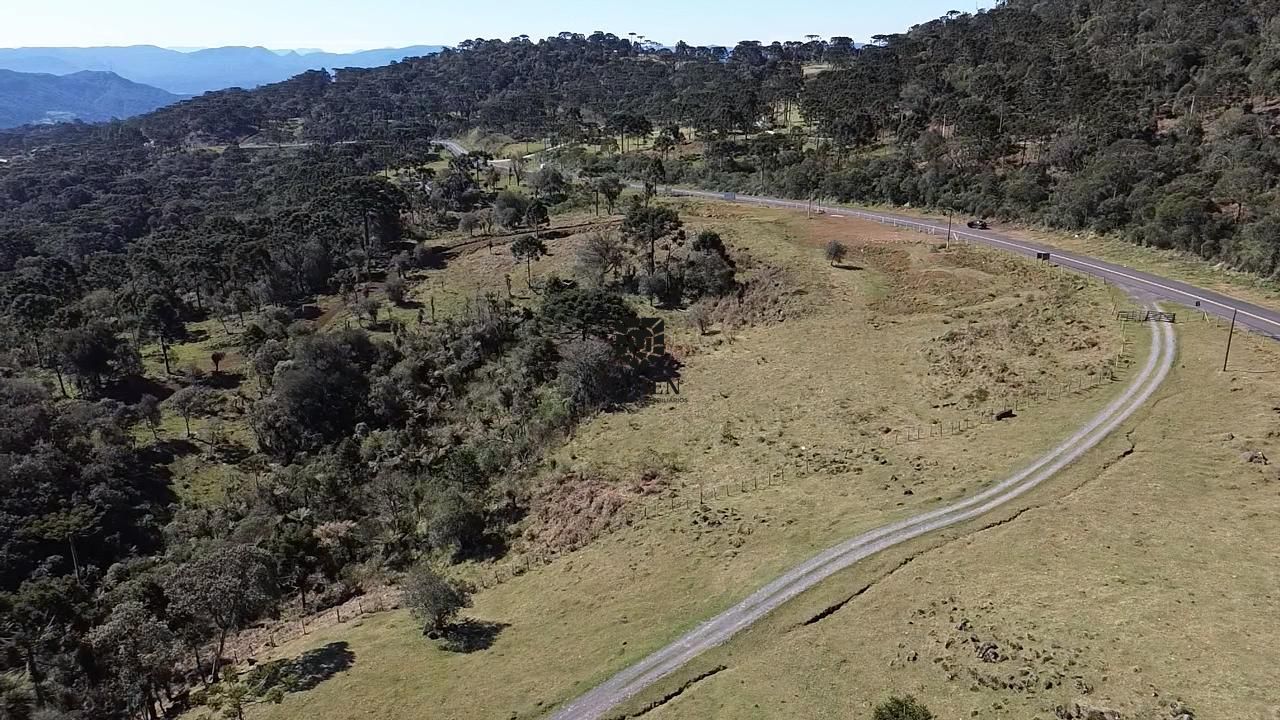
column 978, row 224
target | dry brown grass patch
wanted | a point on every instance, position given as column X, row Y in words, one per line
column 569, row 510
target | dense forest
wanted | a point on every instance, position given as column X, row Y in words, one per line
column 1154, row 121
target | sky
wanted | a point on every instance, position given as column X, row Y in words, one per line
column 344, row 25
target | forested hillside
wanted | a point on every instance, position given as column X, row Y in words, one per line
column 196, row 71
column 1157, row 121
column 364, row 450
column 87, row 96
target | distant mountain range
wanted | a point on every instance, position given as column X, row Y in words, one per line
column 85, row 95
column 199, row 71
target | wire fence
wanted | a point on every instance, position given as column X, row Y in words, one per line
column 296, row 622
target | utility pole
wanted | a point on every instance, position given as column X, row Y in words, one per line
column 949, row 216
column 1231, row 333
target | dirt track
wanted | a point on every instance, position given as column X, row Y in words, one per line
column 599, row 701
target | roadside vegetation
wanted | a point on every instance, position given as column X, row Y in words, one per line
column 268, row 355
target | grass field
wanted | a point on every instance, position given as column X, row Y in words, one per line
column 500, row 146
column 903, row 335
column 198, row 473
column 1172, row 264
column 1143, row 581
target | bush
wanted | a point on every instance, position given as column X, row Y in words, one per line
column 434, row 599
column 699, row 316
column 708, row 274
column 603, row 255
column 587, row 312
column 836, row 252
column 902, row 708
column 663, row 287
column 592, row 376
column 395, row 290
column 424, row 256
column 369, row 308
column 455, row 523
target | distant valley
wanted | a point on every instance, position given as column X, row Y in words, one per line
column 196, row 72
column 91, row 96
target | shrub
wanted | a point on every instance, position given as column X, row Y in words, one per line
column 699, row 316
column 592, row 376
column 395, row 290
column 603, row 255
column 434, row 599
column 455, row 523
column 369, row 308
column 836, row 252
column 708, row 273
column 902, row 708
column 663, row 287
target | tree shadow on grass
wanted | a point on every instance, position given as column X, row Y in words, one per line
column 488, row 546
column 130, row 389
column 231, row 452
column 308, row 311
column 224, row 380
column 468, row 636
column 436, row 258
column 315, row 666
column 166, row 450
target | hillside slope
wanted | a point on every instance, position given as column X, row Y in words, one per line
column 89, row 96
column 1159, row 127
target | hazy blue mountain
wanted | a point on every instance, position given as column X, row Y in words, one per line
column 86, row 95
column 192, row 73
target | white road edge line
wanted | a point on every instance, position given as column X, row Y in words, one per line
column 932, row 229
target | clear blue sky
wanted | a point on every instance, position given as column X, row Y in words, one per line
column 343, row 25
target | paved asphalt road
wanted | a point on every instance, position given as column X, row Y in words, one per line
column 1259, row 319
column 598, row 702
column 451, row 146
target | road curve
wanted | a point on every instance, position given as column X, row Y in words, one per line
column 1262, row 320
column 600, row 700
column 451, row 146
